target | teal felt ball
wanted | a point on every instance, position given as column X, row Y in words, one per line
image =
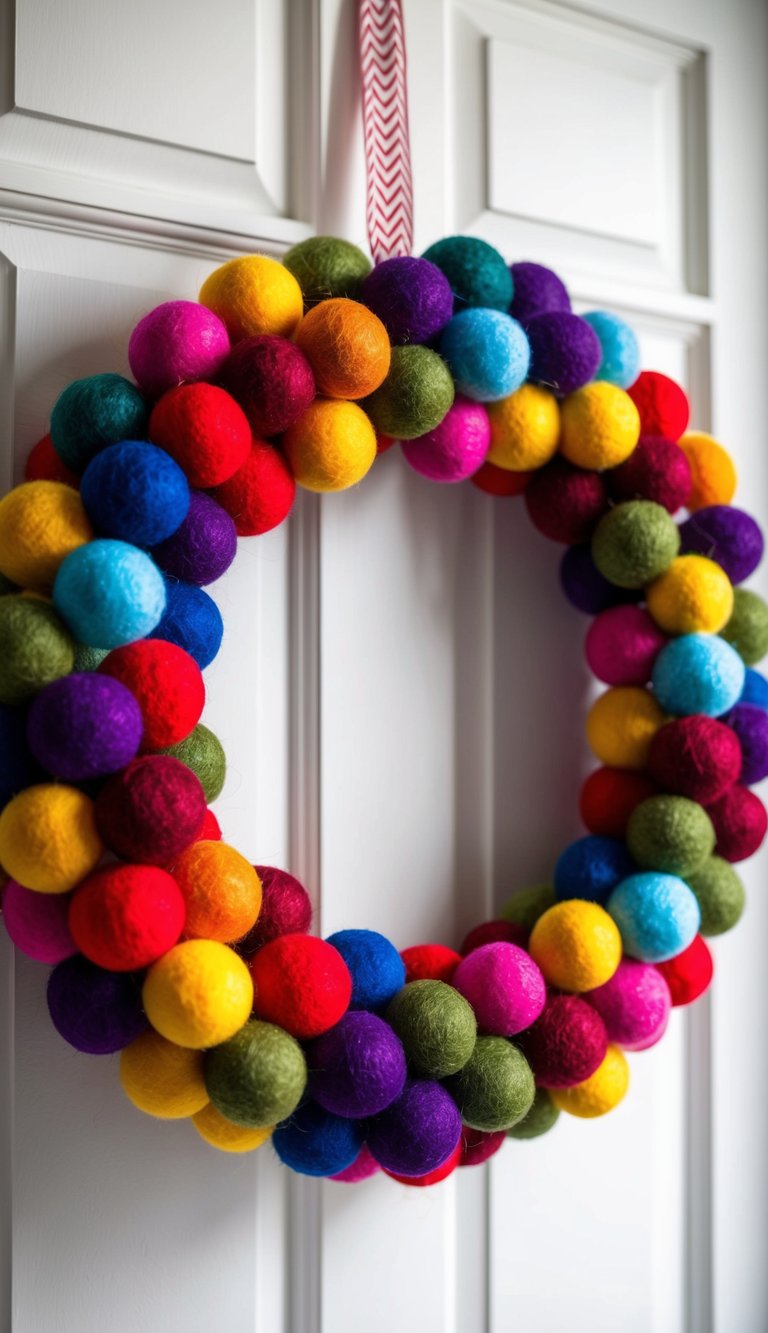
column 634, row 543
column 258, row 1077
column 495, row 1089
column 747, row 628
column 414, row 397
column 620, row 362
column 671, row 834
column 109, row 593
column 436, row 1026
column 94, row 412
column 487, row 353
column 719, row 893
column 542, row 1116
column 478, row 274
column 657, row 915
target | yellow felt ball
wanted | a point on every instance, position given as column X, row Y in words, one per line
column 600, row 426
column 599, row 1093
column 162, row 1079
column 198, row 994
column 212, row 1126
column 621, row 724
column 692, row 596
column 576, row 944
column 525, row 429
column 40, row 523
column 48, row 838
column 331, row 446
column 254, row 294
column 712, row 470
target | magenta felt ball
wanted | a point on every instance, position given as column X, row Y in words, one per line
column 37, row 923
column 695, row 756
column 565, row 351
column 622, row 645
column 203, row 548
column 634, row 1005
column 84, row 726
column 751, row 726
column 454, row 449
column 412, row 298
column 363, row 1167
column 740, row 821
column 272, row 381
column 358, row 1068
column 418, row 1132
column 726, row 535
column 566, row 1044
column 504, row 987
column 657, row 469
column 176, row 343
column 537, row 291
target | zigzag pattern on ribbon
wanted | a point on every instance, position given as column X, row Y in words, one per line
column 385, row 124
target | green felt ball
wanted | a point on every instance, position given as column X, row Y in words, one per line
column 35, row 647
column 634, row 543
column 479, row 275
column 203, row 752
column 747, row 629
column 720, row 895
column 495, row 1088
column 541, row 1117
column 414, row 397
column 94, row 412
column 325, row 266
column 87, row 658
column 671, row 834
column 258, row 1077
column 525, row 908
column 436, row 1026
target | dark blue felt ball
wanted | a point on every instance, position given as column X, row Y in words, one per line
column 18, row 767
column 192, row 620
column 94, row 412
column 377, row 970
column 316, row 1143
column 591, row 867
column 135, row 492
column 95, row 1011
column 755, row 689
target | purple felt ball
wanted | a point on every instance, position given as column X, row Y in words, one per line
column 751, row 726
column 358, row 1068
column 37, row 923
column 634, row 1005
column 177, row 342
column 504, row 986
column 538, row 291
column 418, row 1132
column 456, row 448
column 565, row 351
column 203, row 548
column 726, row 535
column 84, row 726
column 95, row 1011
column 583, row 584
column 412, row 298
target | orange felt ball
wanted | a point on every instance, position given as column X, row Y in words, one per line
column 712, row 470
column 347, row 347
column 221, row 890
column 166, row 683
column 301, row 984
column 125, row 916
column 204, row 430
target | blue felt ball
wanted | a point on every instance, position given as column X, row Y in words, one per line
column 698, row 673
column 657, row 915
column 135, row 492
column 478, row 274
column 109, row 593
column 192, row 620
column 316, row 1143
column 620, row 362
column 94, row 412
column 487, row 353
column 755, row 689
column 18, row 766
column 377, row 970
column 591, row 867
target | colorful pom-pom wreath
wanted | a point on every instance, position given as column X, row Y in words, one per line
column 591, row 867
column 634, row 543
column 358, row 1068
column 436, row 1026
column 161, row 1079
column 698, row 673
column 126, row 916
column 418, row 1132
column 600, row 426
column 525, row 429
column 620, row 360
column 44, row 464
column 566, row 1044
column 622, row 645
column 109, row 593
column 260, row 495
column 257, row 1077
column 487, row 353
column 84, row 726
column 191, row 620
column 662, row 404
column 35, row 647
column 272, row 381
column 254, row 294
column 167, row 685
column 477, row 273
column 657, row 914
column 456, row 448
column 48, row 837
column 199, row 994
column 747, row 626
column 412, row 298
column 135, row 492
column 601, row 1092
column 634, row 1005
column 740, row 821
column 346, row 346
column 203, row 752
column 38, row 923
column 204, row 430
column 314, row 1142
column 695, row 756
column 576, row 944
column 565, row 351
column 537, row 290
column 326, row 266
column 376, row 968
column 96, row 1011
column 331, row 446
column 430, row 962
column 215, row 1129
column 221, row 891
column 93, row 413
column 495, row 1088
column 608, row 797
column 414, row 397
column 621, row 725
column 504, row 987
column 564, row 503
column 726, row 535
column 689, row 973
column 713, row 475
column 176, row 343
column 41, row 522
column 656, row 470
column 302, row 984
column 539, row 1119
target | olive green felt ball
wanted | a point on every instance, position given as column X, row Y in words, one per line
column 525, row 908
column 495, row 1089
column 414, row 397
column 541, row 1117
column 670, row 833
column 325, row 266
column 87, row 658
column 747, row 629
column 720, row 895
column 258, row 1077
column 35, row 647
column 436, row 1026
column 634, row 543
column 203, row 752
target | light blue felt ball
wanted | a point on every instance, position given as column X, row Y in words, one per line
column 698, row 673
column 620, row 363
column 657, row 915
column 109, row 593
column 591, row 867
column 487, row 353
column 135, row 492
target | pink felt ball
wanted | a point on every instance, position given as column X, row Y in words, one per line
column 634, row 1005
column 622, row 645
column 37, row 923
column 176, row 343
column 504, row 987
column 364, row 1166
column 454, row 449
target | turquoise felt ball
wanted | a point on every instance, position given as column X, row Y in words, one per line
column 94, row 412
column 478, row 274
column 109, row 593
column 698, row 673
column 487, row 353
column 620, row 363
column 657, row 915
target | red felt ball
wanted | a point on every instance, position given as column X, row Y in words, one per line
column 695, row 756
column 151, row 810
column 126, row 916
column 566, row 1044
column 384, row 443
column 261, row 493
column 740, row 822
column 300, row 983
column 658, row 470
column 477, row 1145
column 271, row 379
column 662, row 404
column 204, row 430
column 564, row 502
column 499, row 480
column 608, row 797
column 490, row 932
column 166, row 683
column 430, row 962
column 210, row 829
column 44, row 464
column 432, row 1177
column 689, row 974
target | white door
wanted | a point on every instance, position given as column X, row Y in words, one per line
column 401, row 692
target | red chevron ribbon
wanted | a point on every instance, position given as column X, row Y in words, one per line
column 385, row 126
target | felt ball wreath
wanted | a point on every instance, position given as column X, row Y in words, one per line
column 165, row 943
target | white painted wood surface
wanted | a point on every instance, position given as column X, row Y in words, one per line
column 401, row 691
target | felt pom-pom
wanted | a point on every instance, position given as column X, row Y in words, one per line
column 272, row 381
column 698, row 673
column 608, row 797
column 747, row 627
column 94, row 412
column 478, row 1145
column 713, row 475
column 161, row 1079
column 695, row 756
column 662, row 405
column 215, row 1129
column 525, row 429
column 430, row 962
column 203, row 547
column 221, row 891
column 537, row 291
column 125, row 917
column 670, row 833
column 635, row 542
column 358, row 1068
column 84, row 726
column 167, row 685
column 493, row 932
column 599, row 426
column 135, row 492
column 48, row 838
column 750, row 725
column 455, row 449
column 436, row 1026
column 412, row 298
column 634, row 1005
column 657, row 914
column 720, row 895
column 576, row 944
column 565, row 503
column 191, row 620
column 620, row 360
column 109, row 593
column 151, row 811
column 418, row 1132
column 689, row 973
column 97, row 1012
column 286, row 908
column 500, row 481
column 316, row 1143
column 657, row 470
column 567, row 1043
column 210, row 829
column 504, row 987
column 363, row 1167
column 692, row 596
column 347, row 347
column 40, row 523
column 622, row 645
column 331, row 447
column 487, row 352
column 591, row 867
column 542, row 1116
column 199, row 994
column 376, row 968
column 565, row 351
column 260, row 495
column 326, row 266
column 600, row 1093
column 257, row 1077
column 526, row 906
column 495, row 1088
column 728, row 536
column 177, row 342
column 477, row 273
column 740, row 821
column 302, row 984
column 621, row 725
column 38, row 923
column 583, row 584
column 254, row 294
column 414, row 397
column 204, row 430
column 44, row 464
column 203, row 752
column 432, row 1177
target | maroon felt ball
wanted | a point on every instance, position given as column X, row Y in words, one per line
column 608, row 797
column 151, row 811
column 261, row 493
column 126, row 916
column 622, row 644
column 491, row 932
column 662, row 404
column 478, row 1145
column 271, row 379
column 657, row 470
column 566, row 1044
column 695, row 756
column 430, row 962
column 286, row 909
column 564, row 502
column 740, row 821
